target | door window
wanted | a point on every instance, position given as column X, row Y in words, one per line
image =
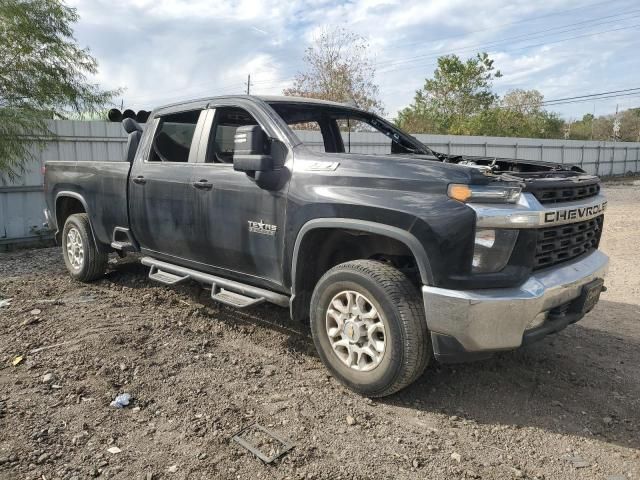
column 225, row 124
column 174, row 136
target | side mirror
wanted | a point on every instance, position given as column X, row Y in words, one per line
column 251, row 150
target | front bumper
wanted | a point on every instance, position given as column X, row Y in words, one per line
column 499, row 319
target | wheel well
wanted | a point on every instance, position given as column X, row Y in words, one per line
column 323, row 248
column 65, row 207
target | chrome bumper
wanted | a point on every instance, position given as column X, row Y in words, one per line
column 496, row 319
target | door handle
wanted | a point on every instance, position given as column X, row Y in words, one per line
column 203, row 185
column 139, row 180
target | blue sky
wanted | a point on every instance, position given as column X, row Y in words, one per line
column 167, row 50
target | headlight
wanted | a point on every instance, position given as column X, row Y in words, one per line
column 484, row 193
column 492, row 249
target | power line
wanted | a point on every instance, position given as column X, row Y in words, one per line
column 529, row 35
column 526, row 47
column 525, row 20
column 413, row 67
column 526, row 36
column 560, row 12
column 592, row 95
column 237, row 87
column 630, row 95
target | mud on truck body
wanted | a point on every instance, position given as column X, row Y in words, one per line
column 394, row 258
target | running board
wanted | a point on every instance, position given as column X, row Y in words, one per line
column 233, row 299
column 123, row 241
column 165, row 277
column 228, row 292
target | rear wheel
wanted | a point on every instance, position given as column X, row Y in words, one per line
column 83, row 260
column 369, row 327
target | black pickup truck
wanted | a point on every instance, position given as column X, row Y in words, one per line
column 393, row 258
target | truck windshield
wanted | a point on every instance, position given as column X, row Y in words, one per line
column 335, row 129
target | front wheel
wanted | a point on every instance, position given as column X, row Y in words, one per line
column 368, row 325
column 83, row 260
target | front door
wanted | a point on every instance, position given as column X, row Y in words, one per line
column 161, row 191
column 242, row 230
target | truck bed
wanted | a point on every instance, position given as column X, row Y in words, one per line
column 102, row 185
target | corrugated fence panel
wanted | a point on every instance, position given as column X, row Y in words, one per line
column 22, row 202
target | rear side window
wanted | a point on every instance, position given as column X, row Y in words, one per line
column 174, row 136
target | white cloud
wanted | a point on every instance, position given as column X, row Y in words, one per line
column 165, row 50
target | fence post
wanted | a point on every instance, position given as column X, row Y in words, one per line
column 626, row 154
column 598, row 161
column 449, row 148
column 486, row 153
column 541, row 152
column 562, row 154
column 516, row 150
column 613, row 158
column 582, row 157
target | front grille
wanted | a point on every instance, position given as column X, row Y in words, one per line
column 566, row 193
column 565, row 242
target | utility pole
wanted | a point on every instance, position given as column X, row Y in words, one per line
column 616, row 126
column 249, row 84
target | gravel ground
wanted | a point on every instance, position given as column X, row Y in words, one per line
column 565, row 408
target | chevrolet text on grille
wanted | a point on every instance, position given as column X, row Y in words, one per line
column 530, row 213
column 581, row 213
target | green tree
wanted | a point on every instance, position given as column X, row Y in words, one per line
column 630, row 125
column 582, row 129
column 521, row 114
column 43, row 75
column 338, row 68
column 451, row 102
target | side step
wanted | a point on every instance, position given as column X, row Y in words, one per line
column 233, row 299
column 123, row 246
column 123, row 240
column 228, row 292
column 165, row 277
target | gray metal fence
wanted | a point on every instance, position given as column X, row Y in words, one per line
column 22, row 202
column 602, row 158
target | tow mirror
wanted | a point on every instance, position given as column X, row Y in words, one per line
column 251, row 150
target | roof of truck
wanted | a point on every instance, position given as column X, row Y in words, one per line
column 265, row 98
column 287, row 99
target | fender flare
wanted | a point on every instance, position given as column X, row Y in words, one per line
column 80, row 198
column 396, row 233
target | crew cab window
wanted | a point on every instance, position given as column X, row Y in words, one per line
column 173, row 137
column 223, row 131
column 309, row 133
column 347, row 130
column 360, row 137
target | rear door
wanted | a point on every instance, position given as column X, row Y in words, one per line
column 161, row 190
column 242, row 224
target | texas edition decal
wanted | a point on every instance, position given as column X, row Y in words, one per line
column 262, row 228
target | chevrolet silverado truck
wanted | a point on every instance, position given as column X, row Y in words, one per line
column 394, row 258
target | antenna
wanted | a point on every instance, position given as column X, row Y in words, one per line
column 248, row 84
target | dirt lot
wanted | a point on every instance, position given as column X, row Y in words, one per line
column 565, row 408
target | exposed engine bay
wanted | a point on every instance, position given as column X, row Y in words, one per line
column 518, row 170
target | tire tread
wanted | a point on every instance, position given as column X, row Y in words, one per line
column 403, row 295
column 95, row 261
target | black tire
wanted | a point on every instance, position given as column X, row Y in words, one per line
column 94, row 262
column 407, row 342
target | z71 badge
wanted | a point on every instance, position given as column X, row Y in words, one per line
column 262, row 228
